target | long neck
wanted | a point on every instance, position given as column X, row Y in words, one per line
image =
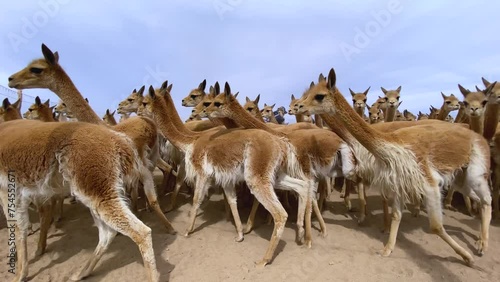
column 359, row 111
column 443, row 112
column 273, row 119
column 246, row 120
column 477, row 124
column 164, row 118
column 299, row 118
column 370, row 138
column 174, row 118
column 124, row 116
column 460, row 115
column 390, row 114
column 490, row 120
column 62, row 117
column 227, row 122
column 67, row 91
column 339, row 129
column 318, row 121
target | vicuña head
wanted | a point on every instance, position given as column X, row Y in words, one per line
column 474, row 102
column 132, row 102
column 195, row 96
column 359, row 99
column 451, row 102
column 37, row 109
column 392, row 97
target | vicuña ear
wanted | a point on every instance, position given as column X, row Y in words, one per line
column 489, row 88
column 107, row 112
column 321, row 77
column 47, row 103
column 332, row 79
column 49, row 55
column 6, row 103
column 293, row 97
column 477, row 89
column 38, row 102
column 164, row 85
column 272, row 106
column 352, row 92
column 169, row 88
column 485, row 82
column 141, row 90
column 399, row 89
column 217, row 88
column 442, row 95
column 236, row 95
column 113, row 113
column 383, row 90
column 256, row 101
column 464, row 91
column 202, row 85
column 151, row 92
column 366, row 92
column 227, row 90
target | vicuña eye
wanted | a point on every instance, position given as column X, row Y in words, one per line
column 36, row 70
column 206, row 104
column 217, row 104
column 319, row 97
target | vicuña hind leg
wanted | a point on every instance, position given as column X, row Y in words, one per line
column 397, row 208
column 435, row 213
column 200, row 191
column 264, row 193
column 179, row 181
column 230, row 193
column 113, row 216
column 149, row 189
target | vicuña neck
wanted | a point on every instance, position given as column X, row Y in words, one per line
column 246, row 120
column 165, row 118
column 443, row 112
column 477, row 124
column 490, row 120
column 370, row 138
column 360, row 111
column 299, row 118
column 390, row 114
column 272, row 119
column 67, row 91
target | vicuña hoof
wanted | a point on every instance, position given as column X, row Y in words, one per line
column 260, row 264
column 239, row 238
column 385, row 252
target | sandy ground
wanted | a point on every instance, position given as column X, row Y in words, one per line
column 348, row 253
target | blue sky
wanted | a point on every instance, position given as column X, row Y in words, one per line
column 261, row 47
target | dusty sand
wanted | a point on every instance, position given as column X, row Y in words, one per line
column 348, row 253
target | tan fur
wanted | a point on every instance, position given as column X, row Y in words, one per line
column 450, row 103
column 474, row 103
column 359, row 101
column 412, row 161
column 375, row 114
column 98, row 184
column 422, row 116
column 109, row 117
column 392, row 103
column 47, row 73
column 41, row 111
column 195, row 96
column 227, row 155
column 131, row 103
column 409, row 116
column 315, row 160
column 268, row 113
column 9, row 111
